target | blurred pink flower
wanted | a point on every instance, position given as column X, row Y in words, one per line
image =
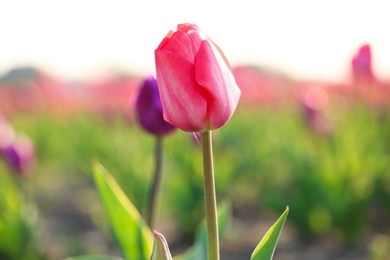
column 314, row 100
column 110, row 97
column 361, row 65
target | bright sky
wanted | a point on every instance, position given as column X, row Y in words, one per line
column 305, row 38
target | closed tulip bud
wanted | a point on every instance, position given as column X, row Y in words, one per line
column 20, row 155
column 198, row 90
column 149, row 109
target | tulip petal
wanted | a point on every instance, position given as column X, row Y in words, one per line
column 165, row 40
column 179, row 43
column 195, row 35
column 183, row 105
column 214, row 75
column 185, row 27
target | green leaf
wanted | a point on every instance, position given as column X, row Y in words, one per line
column 93, row 257
column 130, row 231
column 266, row 248
column 198, row 251
column 18, row 219
column 160, row 248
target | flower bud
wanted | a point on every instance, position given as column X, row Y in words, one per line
column 197, row 87
column 149, row 109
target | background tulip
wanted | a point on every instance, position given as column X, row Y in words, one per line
column 150, row 116
column 314, row 101
column 198, row 90
column 361, row 64
column 20, row 155
column 149, row 109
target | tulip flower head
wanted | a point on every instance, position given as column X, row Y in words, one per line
column 20, row 155
column 197, row 87
column 361, row 64
column 149, row 109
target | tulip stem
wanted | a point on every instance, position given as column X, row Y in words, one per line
column 210, row 197
column 154, row 189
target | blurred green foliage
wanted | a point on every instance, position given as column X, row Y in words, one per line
column 18, row 219
column 265, row 158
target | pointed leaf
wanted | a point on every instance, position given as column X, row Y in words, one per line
column 266, row 248
column 130, row 231
column 160, row 248
column 198, row 251
column 93, row 257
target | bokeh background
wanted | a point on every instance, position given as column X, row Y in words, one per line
column 311, row 131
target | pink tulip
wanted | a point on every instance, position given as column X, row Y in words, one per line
column 361, row 64
column 197, row 87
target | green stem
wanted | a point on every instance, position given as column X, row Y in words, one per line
column 153, row 193
column 210, row 197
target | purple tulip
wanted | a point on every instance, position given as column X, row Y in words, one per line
column 20, row 155
column 149, row 109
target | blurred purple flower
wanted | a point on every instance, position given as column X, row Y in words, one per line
column 149, row 109
column 20, row 155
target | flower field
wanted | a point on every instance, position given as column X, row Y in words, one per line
column 321, row 148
